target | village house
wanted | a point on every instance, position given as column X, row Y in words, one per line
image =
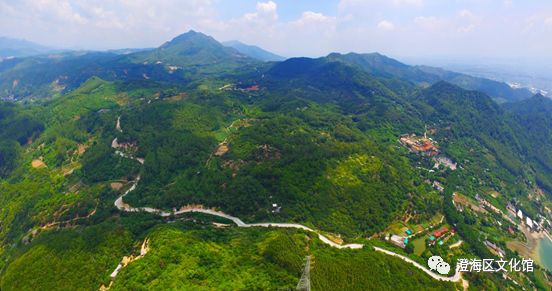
column 399, row 241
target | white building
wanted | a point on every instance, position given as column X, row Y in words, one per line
column 529, row 222
column 398, row 241
column 520, row 214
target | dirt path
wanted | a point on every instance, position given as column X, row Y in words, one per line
column 118, row 125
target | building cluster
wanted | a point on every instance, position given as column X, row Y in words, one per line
column 531, row 224
column 440, row 236
column 420, row 145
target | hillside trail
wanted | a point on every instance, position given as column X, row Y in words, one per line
column 122, row 206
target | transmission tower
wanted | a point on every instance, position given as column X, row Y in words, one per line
column 304, row 282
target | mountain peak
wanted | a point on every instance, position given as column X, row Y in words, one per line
column 191, row 37
column 192, row 49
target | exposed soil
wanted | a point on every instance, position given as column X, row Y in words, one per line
column 116, row 186
column 81, row 149
column 38, row 164
column 222, row 150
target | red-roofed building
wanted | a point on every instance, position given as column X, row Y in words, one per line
column 441, row 232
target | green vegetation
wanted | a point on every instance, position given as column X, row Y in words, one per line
column 360, row 268
column 314, row 142
column 73, row 259
column 206, row 259
column 260, row 259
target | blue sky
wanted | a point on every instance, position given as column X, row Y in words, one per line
column 401, row 28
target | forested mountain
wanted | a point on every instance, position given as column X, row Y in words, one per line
column 192, row 54
column 354, row 148
column 192, row 49
column 532, row 119
column 10, row 47
column 187, row 57
column 381, row 65
column 253, row 51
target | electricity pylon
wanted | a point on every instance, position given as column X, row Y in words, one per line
column 304, row 282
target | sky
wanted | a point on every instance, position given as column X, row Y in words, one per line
column 408, row 28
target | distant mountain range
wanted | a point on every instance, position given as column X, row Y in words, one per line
column 254, row 51
column 10, row 47
column 194, row 54
column 381, row 65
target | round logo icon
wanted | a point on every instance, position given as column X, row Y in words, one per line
column 436, row 263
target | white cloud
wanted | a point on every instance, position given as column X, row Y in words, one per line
column 386, row 25
column 267, row 7
column 58, row 9
column 265, row 11
column 104, row 23
column 419, row 26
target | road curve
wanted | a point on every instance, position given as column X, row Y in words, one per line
column 455, row 278
column 122, row 206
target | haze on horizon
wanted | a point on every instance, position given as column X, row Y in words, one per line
column 508, row 29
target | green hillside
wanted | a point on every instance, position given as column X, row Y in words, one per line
column 319, row 142
column 381, row 65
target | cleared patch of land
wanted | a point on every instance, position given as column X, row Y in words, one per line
column 38, row 164
column 116, row 186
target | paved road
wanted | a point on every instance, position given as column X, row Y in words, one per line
column 455, row 278
column 122, row 206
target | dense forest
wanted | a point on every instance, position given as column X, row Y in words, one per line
column 310, row 141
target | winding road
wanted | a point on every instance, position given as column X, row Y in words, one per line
column 122, row 206
column 455, row 278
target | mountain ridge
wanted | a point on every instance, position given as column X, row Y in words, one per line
column 384, row 66
column 191, row 49
column 10, row 47
column 254, row 51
